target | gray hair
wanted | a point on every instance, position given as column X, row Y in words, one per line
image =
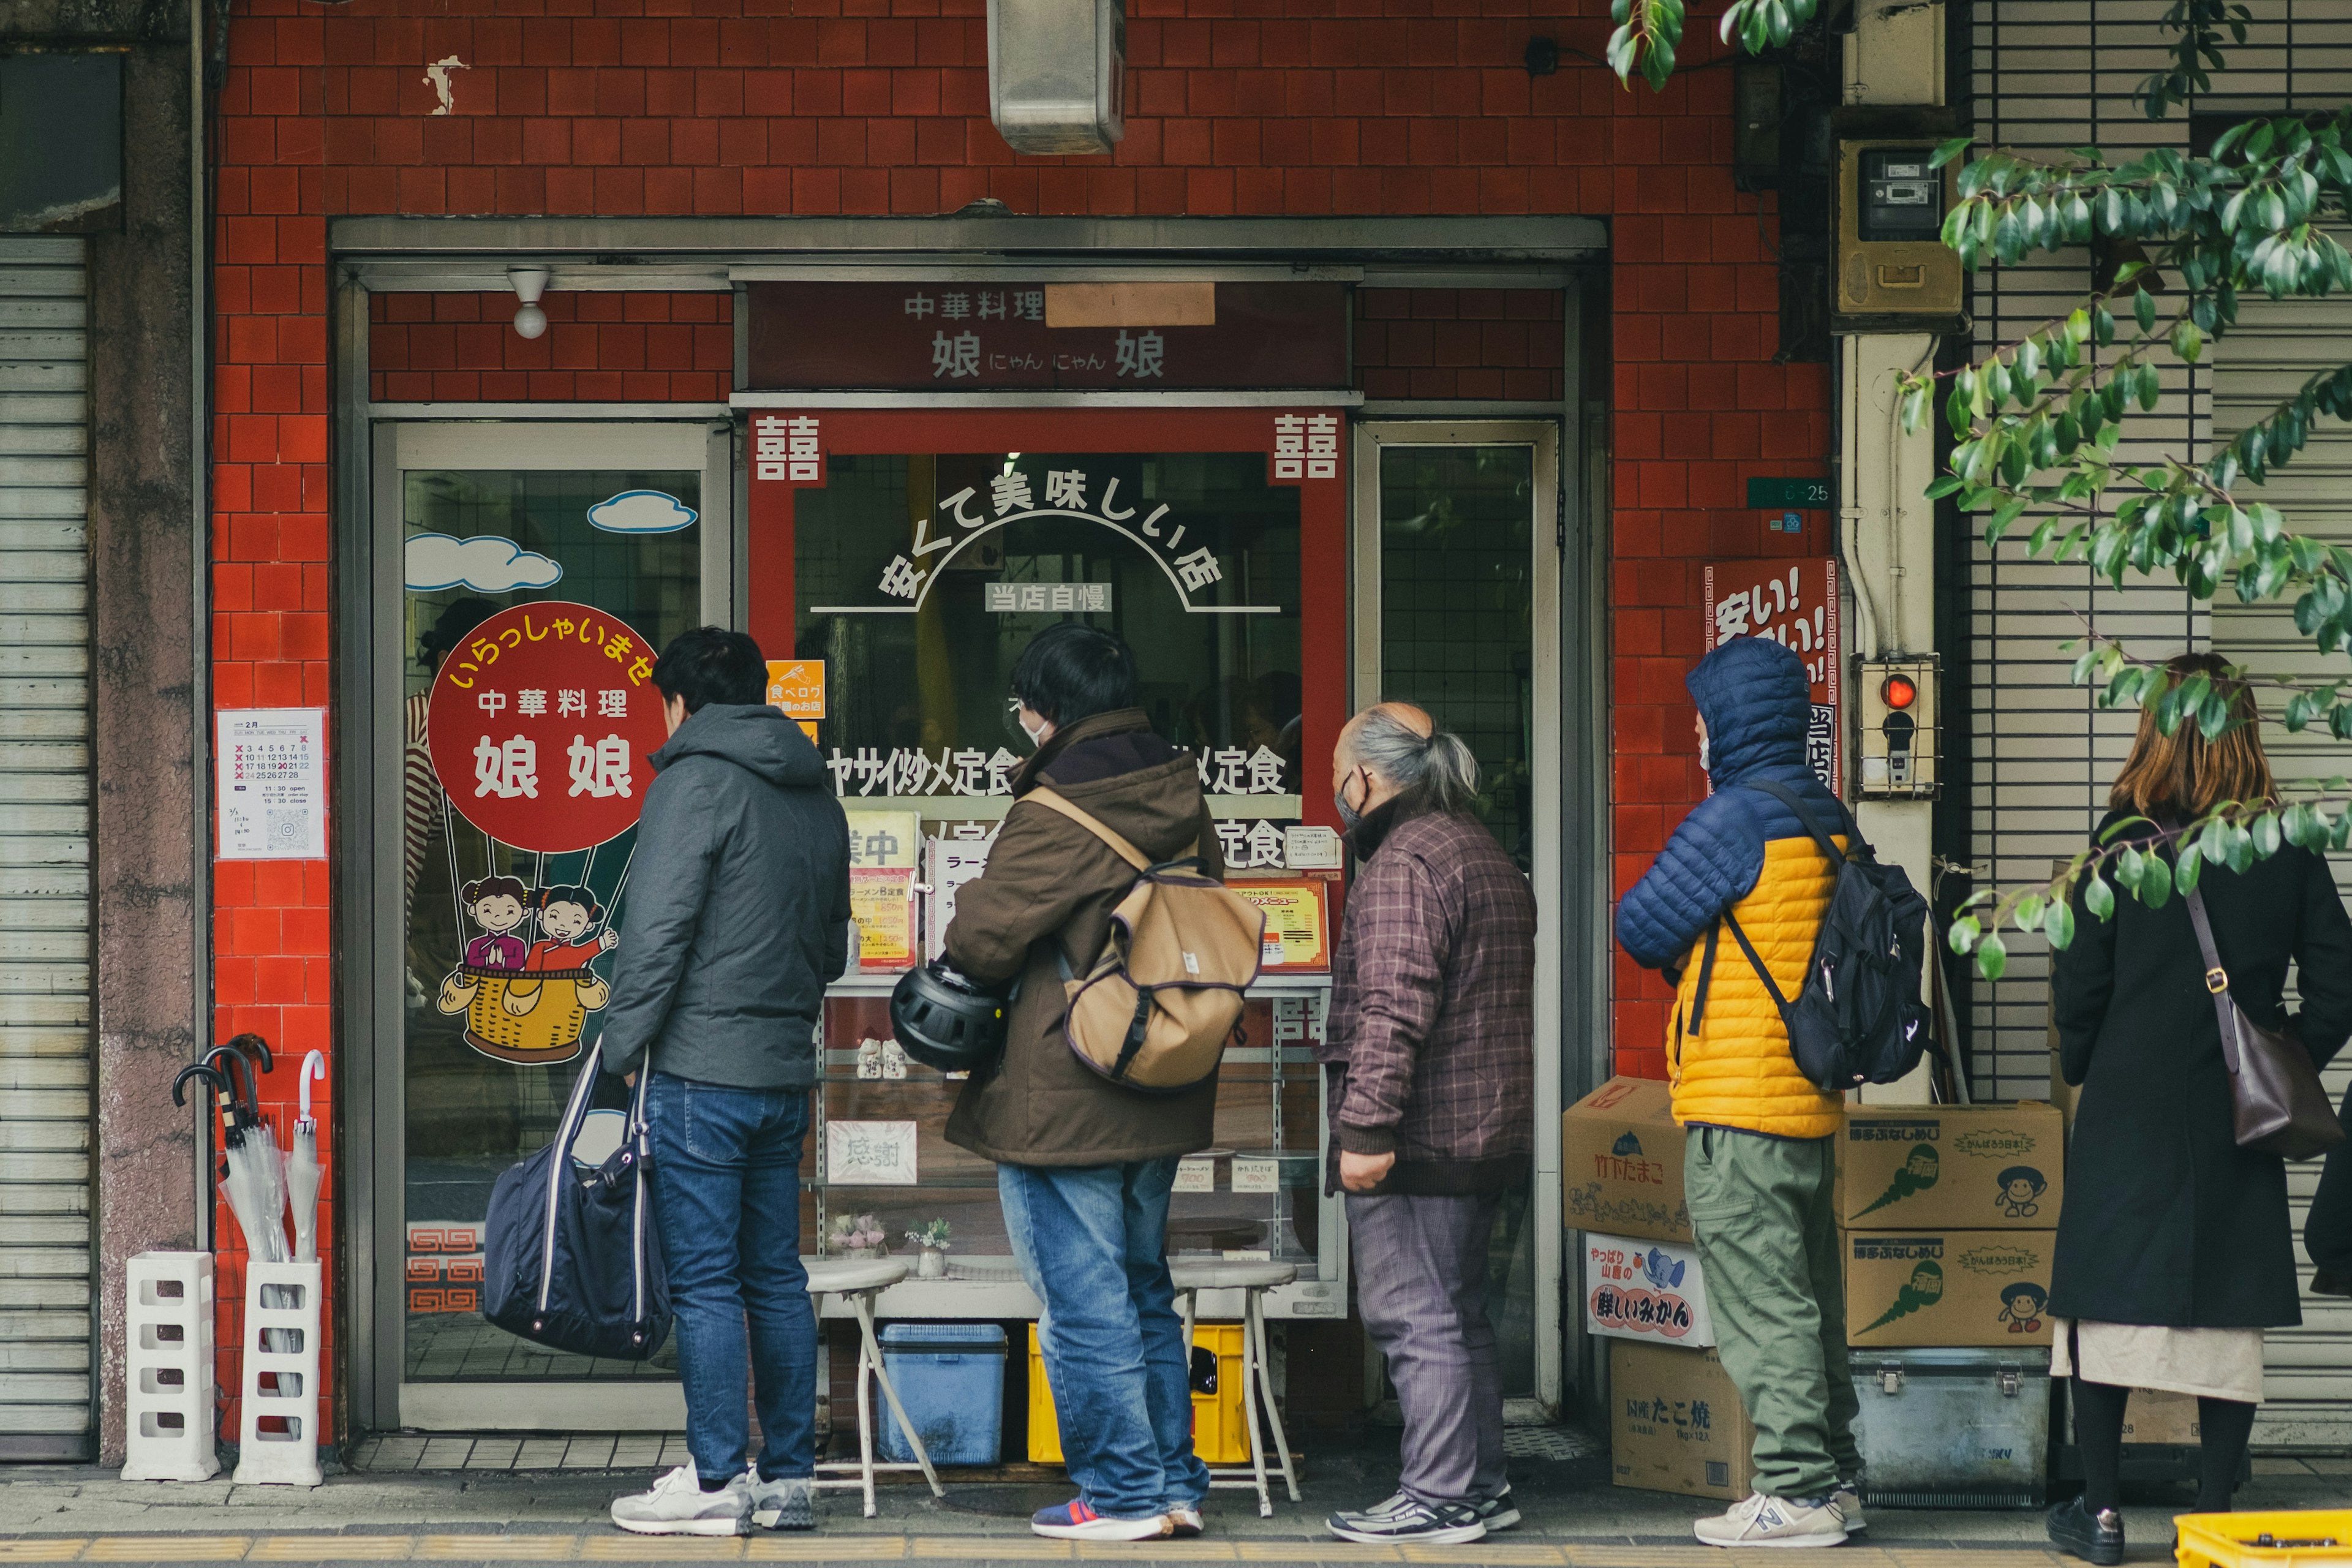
column 1432, row 772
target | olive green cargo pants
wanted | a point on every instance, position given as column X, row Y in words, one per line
column 1764, row 1211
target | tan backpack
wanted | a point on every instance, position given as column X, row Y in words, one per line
column 1156, row 1008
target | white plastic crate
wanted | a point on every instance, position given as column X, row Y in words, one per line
column 277, row 1433
column 168, row 1368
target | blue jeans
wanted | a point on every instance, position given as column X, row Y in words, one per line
column 1091, row 1240
column 727, row 1197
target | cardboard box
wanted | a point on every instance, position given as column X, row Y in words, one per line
column 1973, row 1167
column 1676, row 1424
column 2153, row 1415
column 1621, row 1163
column 1983, row 1289
column 1636, row 1289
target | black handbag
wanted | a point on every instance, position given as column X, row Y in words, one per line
column 2280, row 1106
column 571, row 1258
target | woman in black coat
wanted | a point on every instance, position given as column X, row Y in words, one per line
column 2174, row 1248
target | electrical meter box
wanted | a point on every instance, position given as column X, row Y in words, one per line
column 1894, row 273
column 1899, row 730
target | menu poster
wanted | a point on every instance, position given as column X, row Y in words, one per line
column 1297, row 921
column 882, row 902
column 273, row 783
column 957, row 857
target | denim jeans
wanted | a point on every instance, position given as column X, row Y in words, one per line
column 727, row 1197
column 1091, row 1240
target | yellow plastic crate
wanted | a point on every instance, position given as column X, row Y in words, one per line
column 1220, row 1427
column 2228, row 1540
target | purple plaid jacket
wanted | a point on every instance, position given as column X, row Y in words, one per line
column 1430, row 1045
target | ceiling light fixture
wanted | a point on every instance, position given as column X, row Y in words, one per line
column 529, row 283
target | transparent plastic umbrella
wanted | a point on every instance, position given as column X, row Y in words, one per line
column 302, row 1165
column 245, row 1198
column 256, row 1184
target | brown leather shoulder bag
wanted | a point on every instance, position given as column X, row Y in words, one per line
column 2282, row 1106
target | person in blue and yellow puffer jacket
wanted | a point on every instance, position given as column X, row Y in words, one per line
column 1761, row 1167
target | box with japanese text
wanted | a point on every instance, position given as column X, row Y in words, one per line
column 1675, row 1422
column 1954, row 1287
column 1978, row 1167
column 1635, row 1288
column 1621, row 1163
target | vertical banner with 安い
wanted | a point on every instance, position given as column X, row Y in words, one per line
column 1795, row 603
column 272, row 790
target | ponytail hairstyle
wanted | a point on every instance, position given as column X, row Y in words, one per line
column 1431, row 768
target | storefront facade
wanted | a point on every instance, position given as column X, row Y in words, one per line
column 1371, row 365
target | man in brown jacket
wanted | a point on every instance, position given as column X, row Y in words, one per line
column 1430, row 1056
column 1084, row 1165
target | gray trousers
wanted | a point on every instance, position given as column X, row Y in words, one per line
column 1421, row 1286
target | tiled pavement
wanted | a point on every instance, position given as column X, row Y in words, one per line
column 498, row 1500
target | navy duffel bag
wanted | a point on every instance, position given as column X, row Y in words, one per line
column 570, row 1257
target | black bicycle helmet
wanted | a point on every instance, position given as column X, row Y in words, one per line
column 946, row 1020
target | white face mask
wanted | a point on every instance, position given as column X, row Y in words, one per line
column 1037, row 736
column 1702, row 756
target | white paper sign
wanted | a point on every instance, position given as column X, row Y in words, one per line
column 869, row 1153
column 1651, row 1291
column 1195, row 1177
column 272, row 785
column 1309, row 848
column 1257, row 1175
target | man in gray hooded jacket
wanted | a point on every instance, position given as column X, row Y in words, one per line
column 736, row 917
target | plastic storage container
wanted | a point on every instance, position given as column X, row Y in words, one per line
column 2304, row 1540
column 1953, row 1428
column 1220, row 1427
column 951, row 1378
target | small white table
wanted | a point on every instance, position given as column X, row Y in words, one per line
column 1253, row 1281
column 858, row 1280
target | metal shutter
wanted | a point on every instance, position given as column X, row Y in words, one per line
column 2049, row 75
column 2276, row 346
column 45, row 805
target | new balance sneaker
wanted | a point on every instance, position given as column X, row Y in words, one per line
column 1073, row 1520
column 2093, row 1537
column 1847, row 1501
column 788, row 1502
column 1496, row 1513
column 1185, row 1522
column 679, row 1506
column 1774, row 1522
column 1403, row 1517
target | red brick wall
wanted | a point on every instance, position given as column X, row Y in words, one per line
column 1461, row 342
column 598, row 348
column 1299, row 107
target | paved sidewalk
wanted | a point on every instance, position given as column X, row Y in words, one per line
column 1574, row 1519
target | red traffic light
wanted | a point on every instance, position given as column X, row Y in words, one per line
column 1900, row 691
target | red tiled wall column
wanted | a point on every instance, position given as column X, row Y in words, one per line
column 1277, row 107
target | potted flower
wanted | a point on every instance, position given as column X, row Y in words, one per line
column 855, row 1235
column 933, row 1239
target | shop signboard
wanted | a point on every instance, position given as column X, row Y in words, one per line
column 1793, row 600
column 942, row 335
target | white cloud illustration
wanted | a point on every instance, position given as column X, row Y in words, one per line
column 486, row 563
column 642, row 512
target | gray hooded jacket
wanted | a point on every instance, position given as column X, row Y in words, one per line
column 737, row 911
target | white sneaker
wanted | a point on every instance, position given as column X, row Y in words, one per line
column 787, row 1503
column 1773, row 1521
column 1185, row 1522
column 679, row 1506
column 1847, row 1501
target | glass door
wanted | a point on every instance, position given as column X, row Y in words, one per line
column 1457, row 609
column 542, row 569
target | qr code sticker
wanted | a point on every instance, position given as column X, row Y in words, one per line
column 282, row 828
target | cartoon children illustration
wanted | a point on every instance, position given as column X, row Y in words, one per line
column 498, row 905
column 2021, row 1307
column 2022, row 1187
column 566, row 914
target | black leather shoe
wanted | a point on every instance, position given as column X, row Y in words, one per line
column 2095, row 1537
column 2329, row 1283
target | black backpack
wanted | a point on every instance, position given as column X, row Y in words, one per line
column 1858, row 1018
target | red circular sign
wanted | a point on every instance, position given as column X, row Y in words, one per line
column 541, row 726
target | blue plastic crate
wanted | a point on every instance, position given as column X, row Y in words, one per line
column 951, row 1378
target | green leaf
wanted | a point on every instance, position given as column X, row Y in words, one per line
column 2098, row 898
column 1949, row 150
column 2186, row 873
column 1964, row 933
column 2031, row 907
column 2130, row 865
column 1992, row 957
column 2144, row 309
column 2156, row 882
column 2265, row 831
column 2059, row 925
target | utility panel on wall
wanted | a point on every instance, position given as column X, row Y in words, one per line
column 1056, row 73
column 1894, row 273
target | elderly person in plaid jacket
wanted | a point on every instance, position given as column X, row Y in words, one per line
column 1430, row 1054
